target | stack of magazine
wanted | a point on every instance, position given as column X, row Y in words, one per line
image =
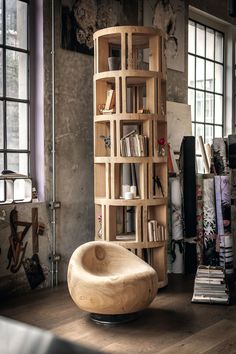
column 210, row 285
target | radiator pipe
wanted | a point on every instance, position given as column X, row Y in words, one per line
column 54, row 262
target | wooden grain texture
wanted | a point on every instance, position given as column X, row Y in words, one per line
column 129, row 83
column 105, row 278
column 170, row 320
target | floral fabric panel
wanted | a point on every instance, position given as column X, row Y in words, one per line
column 223, row 207
column 219, row 156
column 177, row 249
column 211, row 256
column 200, row 231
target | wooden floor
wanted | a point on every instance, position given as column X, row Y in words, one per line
column 172, row 324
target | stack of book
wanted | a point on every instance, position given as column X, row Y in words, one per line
column 134, row 144
column 210, row 285
column 156, row 232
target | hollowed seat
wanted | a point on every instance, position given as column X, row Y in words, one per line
column 105, row 278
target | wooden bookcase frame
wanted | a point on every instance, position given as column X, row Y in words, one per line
column 140, row 98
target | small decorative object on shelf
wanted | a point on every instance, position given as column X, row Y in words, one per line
column 107, row 141
column 130, row 133
column 100, row 226
column 157, row 182
column 162, row 147
column 113, row 63
column 144, row 111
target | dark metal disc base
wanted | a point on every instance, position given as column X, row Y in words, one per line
column 113, row 320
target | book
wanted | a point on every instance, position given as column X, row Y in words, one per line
column 110, row 101
column 133, row 144
column 210, row 285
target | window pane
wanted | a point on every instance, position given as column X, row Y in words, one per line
column 218, row 132
column 1, row 182
column 193, row 128
column 16, row 74
column 1, row 125
column 1, row 163
column 209, row 108
column 191, row 102
column 200, row 40
column 200, row 164
column 17, row 125
column 218, row 78
column 191, row 37
column 1, row 73
column 209, row 76
column 199, row 132
column 19, row 189
column 16, row 23
column 191, row 71
column 209, row 43
column 1, row 21
column 200, row 73
column 219, row 47
column 208, row 134
column 17, row 162
column 199, row 106
column 218, row 110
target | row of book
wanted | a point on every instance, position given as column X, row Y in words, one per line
column 156, row 232
column 210, row 285
column 134, row 144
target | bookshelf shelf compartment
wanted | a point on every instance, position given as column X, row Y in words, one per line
column 129, row 177
column 102, row 186
column 130, row 108
column 159, row 179
column 124, row 223
column 102, row 139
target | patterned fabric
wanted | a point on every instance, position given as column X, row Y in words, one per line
column 200, row 231
column 211, row 257
column 223, row 209
column 176, row 246
column 176, row 208
column 219, row 156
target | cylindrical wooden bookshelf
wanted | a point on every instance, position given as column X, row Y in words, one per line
column 129, row 125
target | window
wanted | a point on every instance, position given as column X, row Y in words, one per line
column 206, row 80
column 14, row 87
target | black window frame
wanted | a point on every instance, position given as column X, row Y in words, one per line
column 205, row 91
column 4, row 99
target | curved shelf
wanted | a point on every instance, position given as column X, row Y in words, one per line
column 129, row 159
column 131, row 202
column 128, row 29
column 139, row 76
column 140, row 245
column 130, row 116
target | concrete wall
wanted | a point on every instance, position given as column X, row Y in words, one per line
column 74, row 140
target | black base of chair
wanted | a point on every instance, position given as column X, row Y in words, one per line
column 113, row 320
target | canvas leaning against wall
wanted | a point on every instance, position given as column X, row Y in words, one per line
column 81, row 18
column 169, row 16
column 178, row 123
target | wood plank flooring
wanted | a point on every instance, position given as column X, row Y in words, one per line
column 172, row 324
